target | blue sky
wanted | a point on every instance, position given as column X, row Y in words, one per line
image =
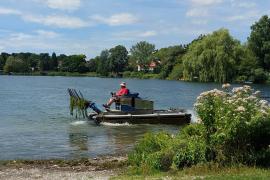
column 89, row 26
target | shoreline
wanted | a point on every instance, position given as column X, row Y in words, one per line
column 86, row 168
column 67, row 74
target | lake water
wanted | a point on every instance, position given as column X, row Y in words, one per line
column 35, row 121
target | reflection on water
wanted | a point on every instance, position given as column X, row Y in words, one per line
column 112, row 138
column 35, row 121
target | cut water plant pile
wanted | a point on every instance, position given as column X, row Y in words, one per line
column 78, row 104
column 233, row 128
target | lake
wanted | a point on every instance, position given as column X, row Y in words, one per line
column 35, row 121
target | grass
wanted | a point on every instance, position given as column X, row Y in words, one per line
column 202, row 172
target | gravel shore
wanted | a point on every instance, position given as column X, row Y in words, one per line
column 98, row 168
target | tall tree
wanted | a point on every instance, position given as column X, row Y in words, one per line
column 44, row 62
column 259, row 41
column 168, row 58
column 53, row 62
column 15, row 64
column 214, row 58
column 118, row 59
column 2, row 62
column 34, row 60
column 142, row 53
column 74, row 63
column 102, row 65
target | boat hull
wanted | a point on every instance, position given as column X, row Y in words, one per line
column 178, row 118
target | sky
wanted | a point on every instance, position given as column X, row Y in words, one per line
column 90, row 26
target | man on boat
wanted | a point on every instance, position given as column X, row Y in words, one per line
column 115, row 96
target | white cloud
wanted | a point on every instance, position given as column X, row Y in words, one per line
column 47, row 34
column 134, row 35
column 37, row 42
column 249, row 15
column 148, row 34
column 8, row 11
column 63, row 4
column 243, row 4
column 57, row 21
column 197, row 12
column 205, row 2
column 116, row 19
column 199, row 22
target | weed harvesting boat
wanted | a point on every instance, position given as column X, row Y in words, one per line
column 129, row 108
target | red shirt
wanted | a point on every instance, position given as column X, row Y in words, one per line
column 122, row 91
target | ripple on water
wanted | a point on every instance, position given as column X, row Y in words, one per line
column 115, row 124
column 76, row 123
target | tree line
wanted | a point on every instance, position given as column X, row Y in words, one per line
column 216, row 57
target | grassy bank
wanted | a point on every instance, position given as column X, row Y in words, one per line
column 203, row 172
column 118, row 168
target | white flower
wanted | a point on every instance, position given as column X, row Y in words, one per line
column 264, row 102
column 257, row 93
column 199, row 120
column 240, row 109
column 237, row 90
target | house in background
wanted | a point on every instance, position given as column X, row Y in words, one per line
column 151, row 67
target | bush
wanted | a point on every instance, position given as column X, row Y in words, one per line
column 153, row 151
column 237, row 124
column 233, row 128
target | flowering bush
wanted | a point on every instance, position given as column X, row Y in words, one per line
column 234, row 127
column 237, row 124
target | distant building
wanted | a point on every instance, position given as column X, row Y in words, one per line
column 151, row 67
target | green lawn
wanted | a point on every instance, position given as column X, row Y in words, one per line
column 203, row 172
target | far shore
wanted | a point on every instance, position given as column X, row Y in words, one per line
column 135, row 75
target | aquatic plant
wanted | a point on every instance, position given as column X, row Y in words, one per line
column 77, row 104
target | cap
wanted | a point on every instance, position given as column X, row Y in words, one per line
column 123, row 84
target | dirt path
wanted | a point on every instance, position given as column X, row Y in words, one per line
column 102, row 168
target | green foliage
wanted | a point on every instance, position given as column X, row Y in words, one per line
column 259, row 75
column 15, row 65
column 177, row 72
column 118, row 59
column 2, row 62
column 140, row 75
column 103, row 63
column 247, row 64
column 44, row 63
column 150, row 152
column 53, row 62
column 74, row 63
column 92, row 64
column 259, row 41
column 191, row 151
column 213, row 58
column 79, row 106
column 168, row 58
column 234, row 128
column 141, row 53
column 237, row 125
